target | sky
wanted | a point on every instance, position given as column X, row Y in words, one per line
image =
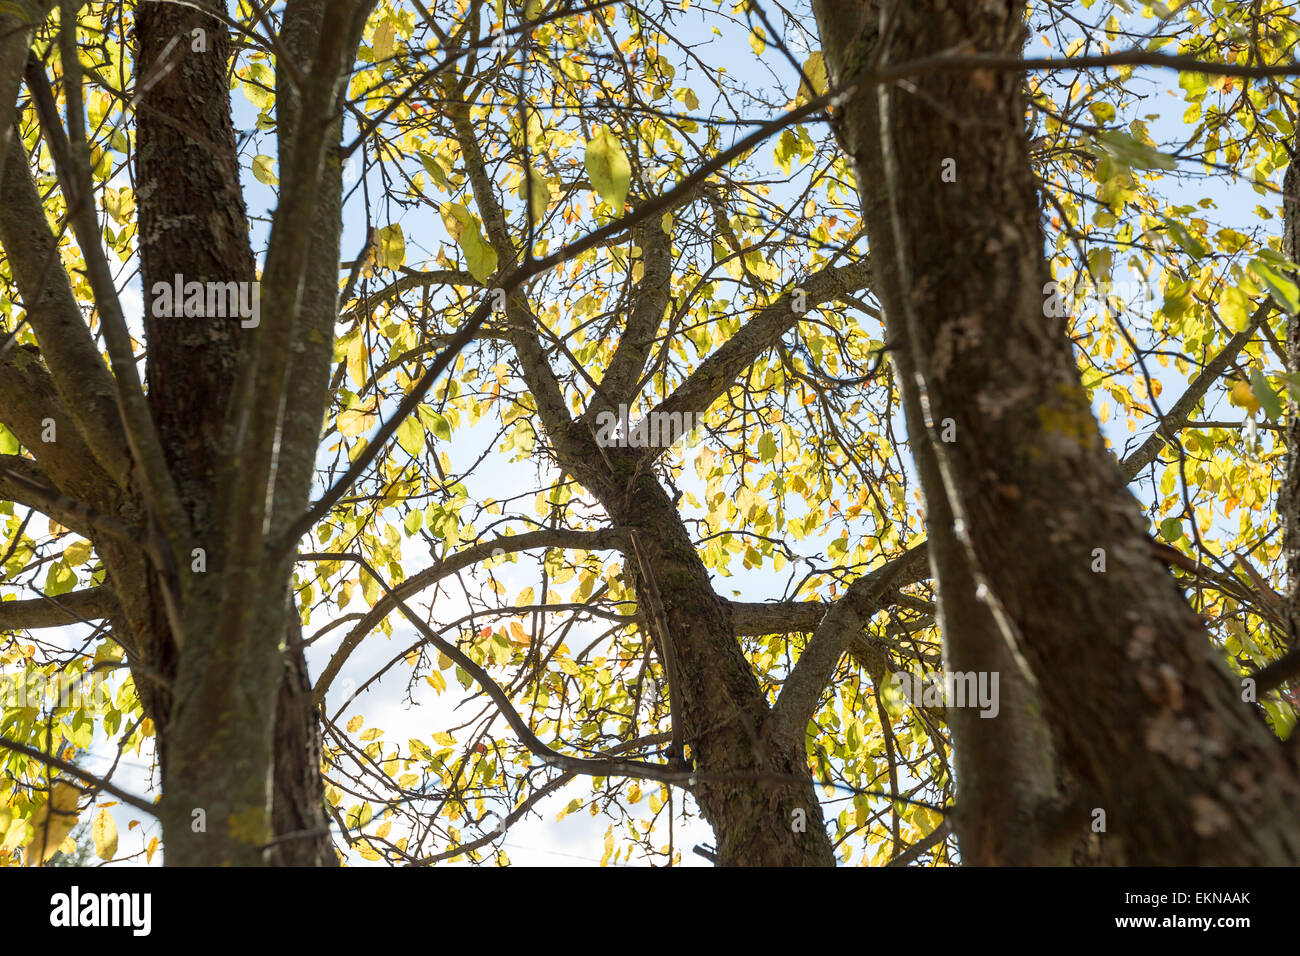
column 578, row 839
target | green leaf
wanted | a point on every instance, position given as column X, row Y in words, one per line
column 608, row 168
column 1268, row 399
column 1186, row 239
column 538, row 193
column 465, row 228
column 1122, row 148
column 1195, row 84
column 411, row 436
column 60, row 580
column 767, row 447
column 1171, row 529
column 1280, row 287
column 435, row 423
column 1102, row 112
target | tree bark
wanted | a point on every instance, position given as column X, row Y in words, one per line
column 1289, row 496
column 1147, row 718
column 239, row 738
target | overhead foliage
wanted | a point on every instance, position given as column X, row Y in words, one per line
column 480, row 138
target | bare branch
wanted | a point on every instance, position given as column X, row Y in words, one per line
column 73, row 608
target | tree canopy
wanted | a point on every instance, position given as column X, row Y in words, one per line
column 534, row 355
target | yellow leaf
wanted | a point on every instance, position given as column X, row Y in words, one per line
column 518, row 633
column 391, row 249
column 1243, row 396
column 381, row 43
column 104, row 833
column 52, row 822
column 355, row 724
column 815, row 69
column 608, row 167
column 77, row 553
column 609, row 846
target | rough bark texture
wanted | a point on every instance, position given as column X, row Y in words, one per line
column 193, row 226
column 1289, row 496
column 1008, row 798
column 1148, row 720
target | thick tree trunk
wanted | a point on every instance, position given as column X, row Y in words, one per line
column 1289, row 496
column 240, row 757
column 1148, row 720
column 1008, row 797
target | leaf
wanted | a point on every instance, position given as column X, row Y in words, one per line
column 1186, row 240
column 51, row 823
column 1102, row 112
column 1194, row 83
column 444, row 738
column 758, row 40
column 814, row 68
column 435, row 423
column 1243, row 396
column 1127, row 151
column 608, row 168
column 465, row 228
column 381, row 43
column 60, row 580
column 411, row 437
column 1280, row 287
column 356, row 724
column 390, row 248
column 77, row 553
column 1267, row 398
column 264, row 170
column 104, row 833
column 539, row 193
column 1235, row 309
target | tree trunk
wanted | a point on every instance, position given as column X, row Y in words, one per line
column 1289, row 496
column 238, row 738
column 1147, row 718
column 752, row 782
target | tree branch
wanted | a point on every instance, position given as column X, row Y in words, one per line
column 846, row 618
column 1177, row 416
column 68, row 768
column 601, row 540
column 73, row 608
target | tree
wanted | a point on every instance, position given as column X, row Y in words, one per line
column 606, row 340
column 1142, row 709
